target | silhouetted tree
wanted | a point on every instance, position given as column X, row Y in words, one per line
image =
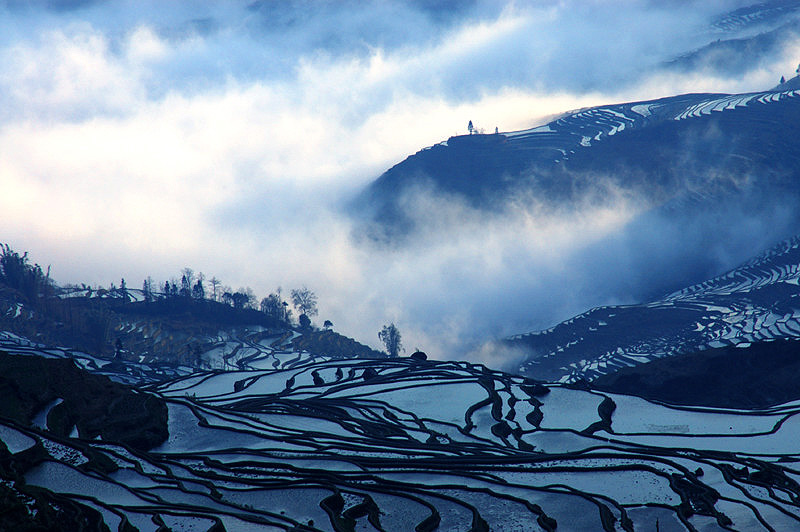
column 186, row 287
column 147, row 289
column 274, row 307
column 252, row 300
column 198, row 292
column 13, row 267
column 390, row 337
column 470, row 127
column 224, row 288
column 243, row 298
column 239, row 300
column 123, row 289
column 189, row 274
column 328, row 324
column 215, row 283
column 304, row 301
column 17, row 273
column 305, row 321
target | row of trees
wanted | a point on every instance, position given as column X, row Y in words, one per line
column 18, row 273
column 191, row 285
column 303, row 300
column 274, row 305
column 198, row 287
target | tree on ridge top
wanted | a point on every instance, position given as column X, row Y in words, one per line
column 390, row 336
column 304, row 301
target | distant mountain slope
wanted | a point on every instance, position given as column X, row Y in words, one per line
column 756, row 302
column 701, row 145
column 746, row 39
column 755, row 14
column 739, row 55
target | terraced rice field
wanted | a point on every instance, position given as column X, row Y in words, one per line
column 753, row 303
column 401, row 444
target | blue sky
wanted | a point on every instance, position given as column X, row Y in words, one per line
column 139, row 137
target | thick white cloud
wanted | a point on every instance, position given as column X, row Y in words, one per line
column 136, row 138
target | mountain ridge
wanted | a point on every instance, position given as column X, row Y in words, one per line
column 556, row 161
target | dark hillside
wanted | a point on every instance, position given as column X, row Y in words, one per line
column 110, row 327
column 696, row 146
column 757, row 376
column 155, row 328
column 75, row 398
column 333, row 344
